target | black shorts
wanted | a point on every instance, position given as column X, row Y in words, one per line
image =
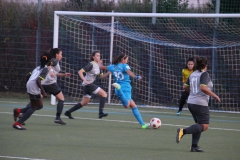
column 34, row 97
column 52, row 89
column 89, row 89
column 200, row 113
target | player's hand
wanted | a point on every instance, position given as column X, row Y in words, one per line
column 218, row 99
column 44, row 94
column 138, row 77
column 68, row 74
column 86, row 82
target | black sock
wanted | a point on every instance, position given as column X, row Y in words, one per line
column 59, row 108
column 196, row 138
column 196, row 128
column 194, row 145
column 74, row 108
column 26, row 115
column 101, row 104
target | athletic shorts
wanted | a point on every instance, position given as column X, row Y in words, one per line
column 52, row 89
column 126, row 89
column 34, row 97
column 90, row 89
column 199, row 113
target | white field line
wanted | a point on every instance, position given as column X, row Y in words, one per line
column 122, row 121
column 10, row 157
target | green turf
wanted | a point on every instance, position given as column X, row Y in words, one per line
column 116, row 137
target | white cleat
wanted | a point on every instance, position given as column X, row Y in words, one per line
column 116, row 85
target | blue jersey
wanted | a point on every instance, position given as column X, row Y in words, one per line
column 119, row 72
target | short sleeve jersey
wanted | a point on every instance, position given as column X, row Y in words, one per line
column 32, row 87
column 185, row 74
column 195, row 80
column 56, row 69
column 92, row 70
column 119, row 72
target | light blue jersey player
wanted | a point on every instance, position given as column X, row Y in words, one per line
column 122, row 73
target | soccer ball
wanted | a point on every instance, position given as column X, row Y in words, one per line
column 155, row 123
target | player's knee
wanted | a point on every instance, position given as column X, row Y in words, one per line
column 205, row 127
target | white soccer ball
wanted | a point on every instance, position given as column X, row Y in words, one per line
column 155, row 123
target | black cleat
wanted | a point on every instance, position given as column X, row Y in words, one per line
column 18, row 126
column 68, row 114
column 102, row 115
column 59, row 121
column 196, row 149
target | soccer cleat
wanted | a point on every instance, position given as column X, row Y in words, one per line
column 196, row 149
column 68, row 114
column 145, row 126
column 16, row 113
column 102, row 115
column 179, row 134
column 116, row 85
column 18, row 126
column 179, row 112
column 59, row 121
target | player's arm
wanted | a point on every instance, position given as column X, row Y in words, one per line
column 39, row 79
column 87, row 68
column 101, row 66
column 186, row 86
column 64, row 74
column 204, row 79
column 28, row 76
column 131, row 74
column 105, row 75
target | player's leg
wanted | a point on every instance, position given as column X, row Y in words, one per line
column 119, row 92
column 85, row 101
column 60, row 105
column 103, row 98
column 182, row 101
column 36, row 102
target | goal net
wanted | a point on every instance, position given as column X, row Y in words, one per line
column 158, row 48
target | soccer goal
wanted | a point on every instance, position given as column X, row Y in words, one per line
column 158, row 46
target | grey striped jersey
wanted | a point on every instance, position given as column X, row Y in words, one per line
column 31, row 85
column 195, row 80
column 56, row 69
column 91, row 70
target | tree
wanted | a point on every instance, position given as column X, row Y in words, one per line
column 228, row 6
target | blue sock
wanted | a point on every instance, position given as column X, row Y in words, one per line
column 122, row 97
column 137, row 115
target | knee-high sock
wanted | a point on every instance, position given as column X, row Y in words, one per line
column 101, row 104
column 196, row 138
column 26, row 115
column 59, row 108
column 196, row 128
column 122, row 97
column 75, row 107
column 137, row 115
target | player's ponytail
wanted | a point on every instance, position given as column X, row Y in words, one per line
column 201, row 63
column 119, row 58
column 45, row 59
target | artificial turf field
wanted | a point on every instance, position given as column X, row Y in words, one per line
column 116, row 137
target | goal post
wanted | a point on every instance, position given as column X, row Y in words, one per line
column 158, row 52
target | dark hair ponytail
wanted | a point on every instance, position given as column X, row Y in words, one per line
column 201, row 62
column 119, row 58
column 54, row 51
column 45, row 58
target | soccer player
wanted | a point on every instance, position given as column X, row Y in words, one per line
column 199, row 85
column 50, row 85
column 122, row 73
column 92, row 70
column 35, row 89
column 189, row 68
